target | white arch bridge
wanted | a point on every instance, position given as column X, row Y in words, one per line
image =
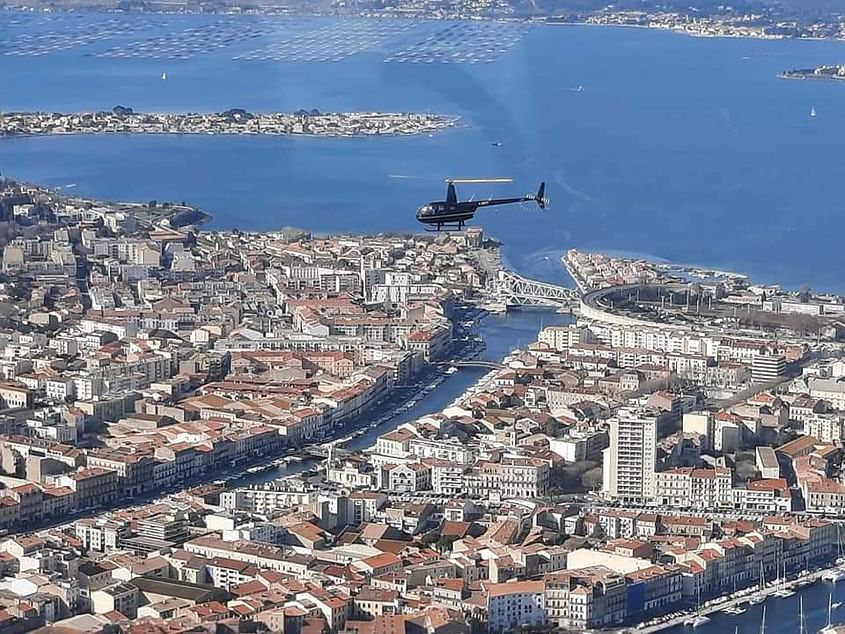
column 515, row 290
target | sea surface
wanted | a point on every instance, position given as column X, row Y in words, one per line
column 651, row 143
column 688, row 149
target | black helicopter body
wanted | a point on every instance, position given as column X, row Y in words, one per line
column 452, row 214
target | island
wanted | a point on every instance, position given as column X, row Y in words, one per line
column 836, row 71
column 124, row 120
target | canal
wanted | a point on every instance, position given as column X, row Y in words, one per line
column 501, row 333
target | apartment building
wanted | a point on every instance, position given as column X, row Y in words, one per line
column 630, row 460
column 509, row 478
column 514, row 605
column 685, row 487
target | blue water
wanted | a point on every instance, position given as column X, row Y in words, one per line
column 682, row 148
column 782, row 615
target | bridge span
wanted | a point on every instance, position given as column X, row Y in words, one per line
column 514, row 290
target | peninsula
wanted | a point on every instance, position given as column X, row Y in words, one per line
column 835, row 71
column 234, row 121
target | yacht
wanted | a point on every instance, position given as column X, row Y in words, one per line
column 834, row 575
column 813, row 111
column 163, row 76
column 697, row 621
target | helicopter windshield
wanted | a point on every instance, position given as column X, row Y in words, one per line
column 426, row 211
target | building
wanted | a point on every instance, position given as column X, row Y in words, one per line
column 514, row 605
column 766, row 368
column 685, row 487
column 767, row 462
column 629, row 462
column 824, row 496
column 585, row 599
column 509, row 478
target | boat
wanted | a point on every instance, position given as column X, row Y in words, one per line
column 829, row 628
column 578, row 88
column 783, row 591
column 834, row 575
column 802, row 624
column 813, row 111
column 497, row 144
column 255, row 469
column 734, row 610
column 835, row 605
column 697, row 621
column 163, row 76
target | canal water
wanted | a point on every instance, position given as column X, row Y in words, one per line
column 501, row 333
column 782, row 615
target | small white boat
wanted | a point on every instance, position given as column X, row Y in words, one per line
column 813, row 111
column 163, row 76
column 697, row 621
column 757, row 598
column 833, row 575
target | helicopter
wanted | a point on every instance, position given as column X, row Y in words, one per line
column 452, row 214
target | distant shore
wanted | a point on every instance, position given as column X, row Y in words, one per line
column 824, row 73
column 122, row 120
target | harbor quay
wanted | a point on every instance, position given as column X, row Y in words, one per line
column 205, row 428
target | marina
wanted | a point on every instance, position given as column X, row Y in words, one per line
column 744, row 610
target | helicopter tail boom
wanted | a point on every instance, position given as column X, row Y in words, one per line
column 541, row 199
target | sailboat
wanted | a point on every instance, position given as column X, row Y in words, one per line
column 829, row 629
column 760, row 597
column 699, row 619
column 783, row 592
column 163, row 76
column 813, row 111
column 802, row 625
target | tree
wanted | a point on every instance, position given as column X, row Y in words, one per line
column 445, row 542
column 592, row 479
